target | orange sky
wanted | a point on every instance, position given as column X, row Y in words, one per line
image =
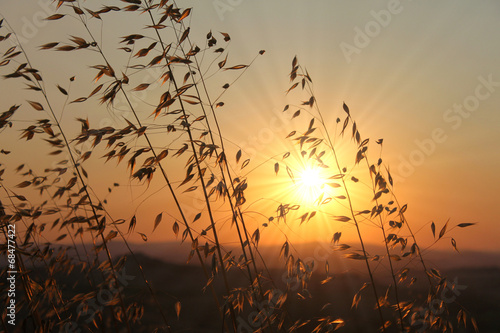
column 423, row 76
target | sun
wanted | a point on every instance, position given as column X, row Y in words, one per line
column 311, row 177
column 311, row 184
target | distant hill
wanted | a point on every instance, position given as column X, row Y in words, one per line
column 173, row 282
column 175, row 252
column 479, row 293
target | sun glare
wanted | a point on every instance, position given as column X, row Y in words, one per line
column 311, row 184
column 311, row 177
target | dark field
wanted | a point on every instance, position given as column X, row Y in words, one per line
column 478, row 290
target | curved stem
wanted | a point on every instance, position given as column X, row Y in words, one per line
column 83, row 183
column 351, row 209
column 382, row 227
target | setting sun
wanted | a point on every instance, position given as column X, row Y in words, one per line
column 311, row 184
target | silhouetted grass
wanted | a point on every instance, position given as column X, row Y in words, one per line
column 94, row 291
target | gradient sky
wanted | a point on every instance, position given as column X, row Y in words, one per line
column 424, row 76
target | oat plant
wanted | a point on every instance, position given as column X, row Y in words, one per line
column 345, row 155
column 180, row 140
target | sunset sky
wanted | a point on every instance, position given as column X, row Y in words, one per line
column 424, row 76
